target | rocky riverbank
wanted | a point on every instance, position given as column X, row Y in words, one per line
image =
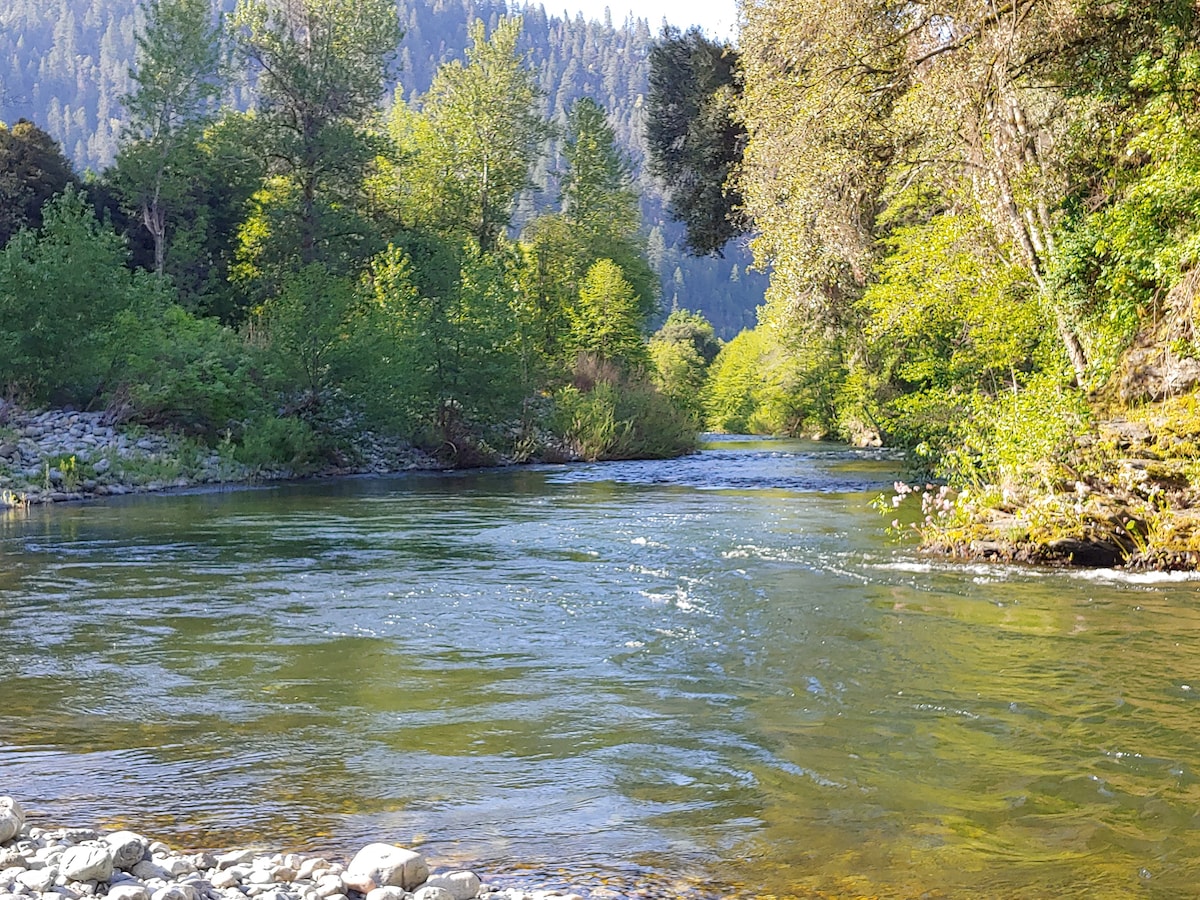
column 1124, row 494
column 80, row 863
column 58, row 455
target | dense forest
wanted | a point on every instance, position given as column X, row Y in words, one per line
column 981, row 224
column 286, row 274
column 65, row 67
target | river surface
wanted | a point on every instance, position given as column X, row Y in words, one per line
column 702, row 677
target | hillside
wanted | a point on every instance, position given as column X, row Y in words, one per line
column 64, row 65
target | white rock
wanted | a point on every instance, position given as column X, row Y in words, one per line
column 146, row 870
column 173, row 892
column 391, row 892
column 12, row 819
column 433, row 893
column 379, row 865
column 38, row 879
column 463, row 885
column 128, row 849
column 87, row 862
column 129, row 891
column 283, row 874
column 175, row 865
column 260, row 876
column 235, row 858
column 310, row 865
column 225, row 879
column 330, row 886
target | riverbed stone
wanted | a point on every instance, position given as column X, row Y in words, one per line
column 310, row 865
column 433, row 892
column 38, row 880
column 131, row 890
column 174, row 892
column 235, row 858
column 147, row 870
column 128, row 849
column 462, row 884
column 391, row 892
column 379, row 865
column 87, row 862
column 12, row 819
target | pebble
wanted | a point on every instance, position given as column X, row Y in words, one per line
column 81, row 863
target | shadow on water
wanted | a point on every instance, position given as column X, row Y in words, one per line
column 693, row 676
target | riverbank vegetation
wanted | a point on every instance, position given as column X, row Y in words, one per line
column 287, row 278
column 981, row 225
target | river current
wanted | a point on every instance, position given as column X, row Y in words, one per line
column 714, row 676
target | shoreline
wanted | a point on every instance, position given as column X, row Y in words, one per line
column 77, row 863
column 59, row 455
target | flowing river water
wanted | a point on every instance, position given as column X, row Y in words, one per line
column 714, row 676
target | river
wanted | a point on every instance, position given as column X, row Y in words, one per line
column 708, row 676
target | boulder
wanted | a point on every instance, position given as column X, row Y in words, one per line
column 12, row 819
column 87, row 862
column 380, row 865
column 128, row 849
column 462, row 885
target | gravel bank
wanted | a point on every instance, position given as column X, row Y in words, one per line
column 78, row 863
column 59, row 455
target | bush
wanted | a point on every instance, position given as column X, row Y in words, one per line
column 176, row 370
column 621, row 419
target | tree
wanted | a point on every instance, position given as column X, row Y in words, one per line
column 606, row 322
column 321, row 66
column 60, row 288
column 694, row 135
column 682, row 351
column 483, row 134
column 32, row 170
column 177, row 81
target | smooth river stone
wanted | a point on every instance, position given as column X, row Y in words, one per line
column 462, row 885
column 87, row 862
column 391, row 892
column 130, row 891
column 38, row 880
column 128, row 849
column 433, row 893
column 380, row 865
column 12, row 819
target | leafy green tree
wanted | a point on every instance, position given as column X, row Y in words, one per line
column 321, row 67
column 681, row 352
column 606, row 321
column 32, row 170
column 482, row 136
column 177, row 82
column 61, row 288
column 694, row 136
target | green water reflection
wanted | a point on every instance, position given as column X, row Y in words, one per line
column 717, row 669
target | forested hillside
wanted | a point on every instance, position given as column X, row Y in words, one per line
column 982, row 226
column 64, row 65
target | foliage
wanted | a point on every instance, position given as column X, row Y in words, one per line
column 605, row 321
column 681, row 352
column 32, row 170
column 174, row 370
column 694, row 136
column 60, row 289
column 606, row 415
column 484, row 131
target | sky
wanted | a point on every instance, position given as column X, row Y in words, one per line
column 717, row 17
